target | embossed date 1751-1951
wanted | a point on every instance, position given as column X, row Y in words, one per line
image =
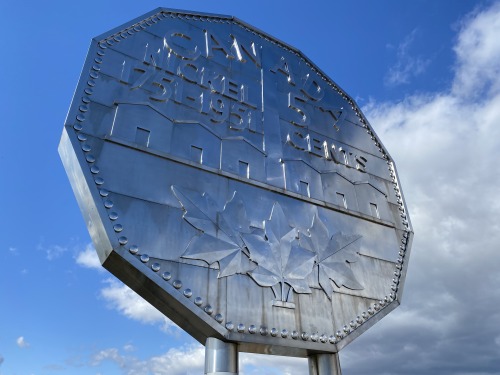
column 181, row 70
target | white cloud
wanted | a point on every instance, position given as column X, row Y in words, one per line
column 407, row 66
column 111, row 354
column 129, row 348
column 256, row 364
column 183, row 361
column 188, row 360
column 52, row 252
column 22, row 343
column 13, row 250
column 123, row 299
column 478, row 54
column 88, row 258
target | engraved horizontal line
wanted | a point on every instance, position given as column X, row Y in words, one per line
column 381, row 259
column 255, row 183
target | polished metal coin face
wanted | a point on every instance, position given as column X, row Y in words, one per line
column 234, row 186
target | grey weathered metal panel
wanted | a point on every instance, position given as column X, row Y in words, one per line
column 233, row 185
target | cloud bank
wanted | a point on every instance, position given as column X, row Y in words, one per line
column 88, row 258
column 188, row 360
column 123, row 299
column 446, row 146
column 120, row 297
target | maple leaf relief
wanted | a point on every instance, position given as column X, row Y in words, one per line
column 334, row 254
column 219, row 240
column 278, row 256
column 281, row 259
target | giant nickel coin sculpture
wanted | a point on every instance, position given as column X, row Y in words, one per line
column 233, row 185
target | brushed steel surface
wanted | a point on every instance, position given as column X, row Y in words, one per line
column 232, row 184
column 221, row 358
column 324, row 364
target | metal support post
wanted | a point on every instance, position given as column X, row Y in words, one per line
column 221, row 358
column 324, row 364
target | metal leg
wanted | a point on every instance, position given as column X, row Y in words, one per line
column 324, row 364
column 221, row 358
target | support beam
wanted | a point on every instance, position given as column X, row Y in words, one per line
column 221, row 358
column 324, row 364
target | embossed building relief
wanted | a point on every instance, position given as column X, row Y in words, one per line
column 234, row 185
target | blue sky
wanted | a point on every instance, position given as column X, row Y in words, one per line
column 426, row 74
